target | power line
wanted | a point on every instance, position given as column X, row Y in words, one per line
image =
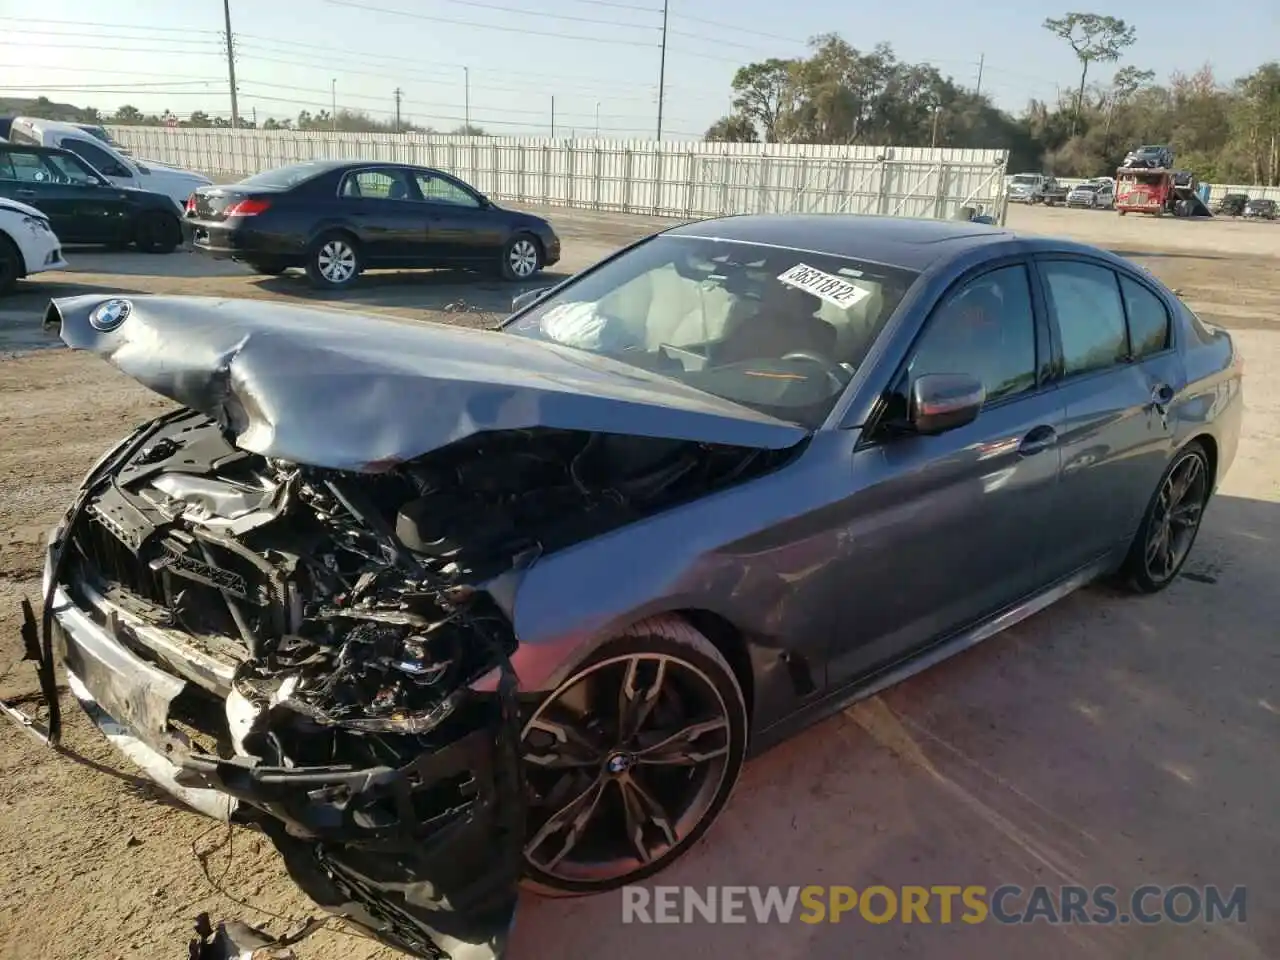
column 543, row 15
column 443, row 66
column 155, row 51
column 108, row 36
column 119, row 26
column 491, row 26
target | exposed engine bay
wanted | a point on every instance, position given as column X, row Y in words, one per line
column 332, row 625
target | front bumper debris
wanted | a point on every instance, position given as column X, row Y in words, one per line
column 425, row 856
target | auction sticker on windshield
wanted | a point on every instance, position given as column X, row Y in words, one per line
column 831, row 288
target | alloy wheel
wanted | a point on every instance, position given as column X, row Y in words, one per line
column 337, row 261
column 1176, row 518
column 523, row 258
column 622, row 763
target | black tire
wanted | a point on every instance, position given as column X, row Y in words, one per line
column 11, row 264
column 270, row 269
column 1139, row 571
column 334, row 261
column 521, row 258
column 157, row 232
column 684, row 669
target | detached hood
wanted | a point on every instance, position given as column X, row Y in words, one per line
column 351, row 391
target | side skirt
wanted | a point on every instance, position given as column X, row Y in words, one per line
column 868, row 686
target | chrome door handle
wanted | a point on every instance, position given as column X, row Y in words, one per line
column 1038, row 440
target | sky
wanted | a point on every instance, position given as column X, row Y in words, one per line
column 506, row 63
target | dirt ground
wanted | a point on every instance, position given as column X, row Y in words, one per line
column 1108, row 740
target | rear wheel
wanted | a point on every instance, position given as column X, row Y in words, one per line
column 521, row 257
column 334, row 261
column 157, row 232
column 1171, row 523
column 11, row 266
column 631, row 759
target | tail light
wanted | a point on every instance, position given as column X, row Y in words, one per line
column 191, row 203
column 248, row 207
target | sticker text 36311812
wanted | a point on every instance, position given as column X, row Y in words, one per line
column 831, row 288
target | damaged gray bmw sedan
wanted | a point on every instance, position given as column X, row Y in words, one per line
column 445, row 610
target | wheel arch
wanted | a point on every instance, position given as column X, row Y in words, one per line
column 5, row 237
column 732, row 644
column 1210, row 446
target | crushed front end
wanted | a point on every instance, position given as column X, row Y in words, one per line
column 256, row 636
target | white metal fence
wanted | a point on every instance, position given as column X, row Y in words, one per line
column 632, row 176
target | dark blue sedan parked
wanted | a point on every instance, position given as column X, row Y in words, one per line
column 337, row 218
column 458, row 607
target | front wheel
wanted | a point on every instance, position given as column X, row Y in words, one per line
column 1172, row 520
column 334, row 262
column 157, row 232
column 521, row 257
column 631, row 759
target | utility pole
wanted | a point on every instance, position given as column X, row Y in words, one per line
column 937, row 111
column 597, row 119
column 982, row 58
column 231, row 65
column 662, row 68
column 399, row 94
column 333, row 109
column 553, row 116
column 466, row 83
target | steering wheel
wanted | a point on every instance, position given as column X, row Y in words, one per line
column 834, row 371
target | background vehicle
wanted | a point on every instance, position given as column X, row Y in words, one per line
column 121, row 170
column 1156, row 156
column 1094, row 195
column 1232, row 204
column 678, row 502
column 27, row 243
column 338, row 217
column 1260, row 209
column 99, row 132
column 82, row 205
column 1036, row 188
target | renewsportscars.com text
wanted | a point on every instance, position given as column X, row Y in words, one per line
column 938, row 904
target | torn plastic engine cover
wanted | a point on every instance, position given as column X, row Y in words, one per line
column 391, row 787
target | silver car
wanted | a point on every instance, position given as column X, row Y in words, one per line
column 443, row 609
column 1096, row 195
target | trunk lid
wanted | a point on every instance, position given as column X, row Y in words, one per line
column 215, row 204
column 349, row 391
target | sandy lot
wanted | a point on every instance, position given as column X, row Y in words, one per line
column 1109, row 740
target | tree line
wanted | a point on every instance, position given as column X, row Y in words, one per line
column 1225, row 132
column 347, row 121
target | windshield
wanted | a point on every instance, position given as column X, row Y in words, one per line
column 778, row 330
column 286, row 176
column 1026, row 178
column 1087, row 187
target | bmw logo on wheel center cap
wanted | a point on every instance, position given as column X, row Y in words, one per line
column 619, row 763
column 109, row 315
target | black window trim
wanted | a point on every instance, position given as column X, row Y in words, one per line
column 1059, row 372
column 873, row 433
column 378, row 168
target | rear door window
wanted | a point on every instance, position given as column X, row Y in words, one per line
column 1084, row 302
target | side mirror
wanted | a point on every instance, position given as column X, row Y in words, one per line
column 145, row 171
column 944, row 401
column 527, row 299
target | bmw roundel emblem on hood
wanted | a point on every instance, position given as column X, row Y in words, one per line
column 109, row 315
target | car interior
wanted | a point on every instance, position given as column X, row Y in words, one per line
column 727, row 324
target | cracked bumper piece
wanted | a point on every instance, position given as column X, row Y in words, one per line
column 424, row 855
